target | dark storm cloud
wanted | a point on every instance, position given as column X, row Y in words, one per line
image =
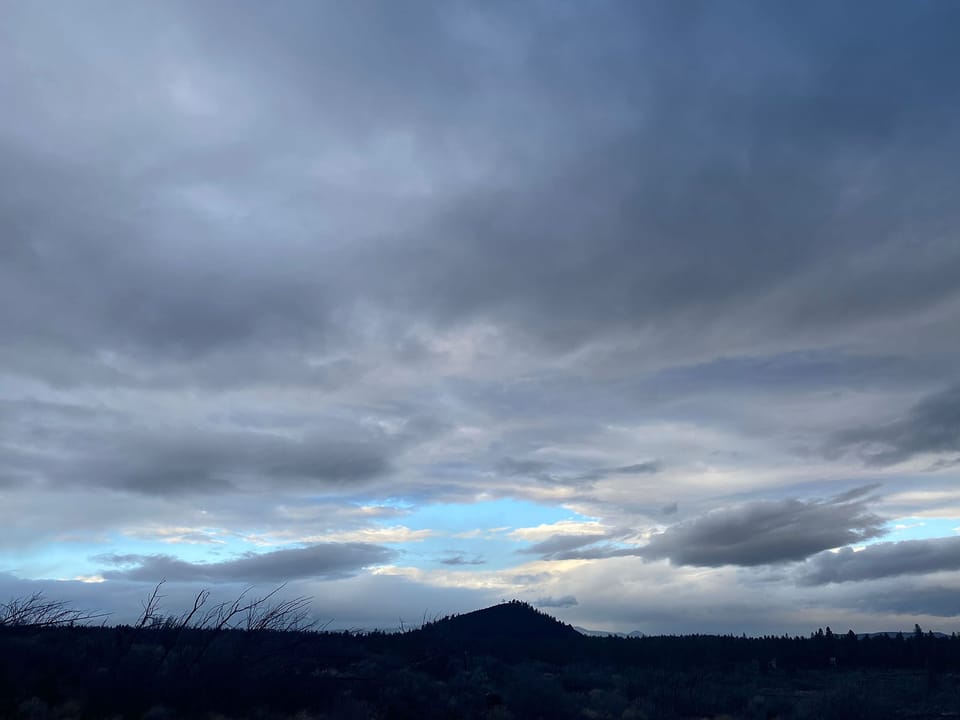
column 177, row 217
column 938, row 600
column 754, row 533
column 880, row 560
column 667, row 231
column 767, row 532
column 210, row 462
column 931, row 426
column 105, row 277
column 174, row 216
column 61, row 446
column 141, row 226
column 165, row 461
column 613, row 389
column 324, row 561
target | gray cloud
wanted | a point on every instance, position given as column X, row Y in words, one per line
column 760, row 532
column 217, row 461
column 513, row 467
column 170, row 462
column 77, row 446
column 323, row 560
column 767, row 532
column 564, row 601
column 598, row 552
column 643, row 468
column 461, row 559
column 571, row 241
column 886, row 559
column 549, row 472
column 938, row 601
column 666, row 234
column 944, row 464
column 931, row 426
column 563, row 546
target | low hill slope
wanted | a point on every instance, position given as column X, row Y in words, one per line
column 507, row 629
column 510, row 619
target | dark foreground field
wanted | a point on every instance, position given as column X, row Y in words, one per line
column 508, row 661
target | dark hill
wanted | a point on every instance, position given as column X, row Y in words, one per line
column 514, row 620
column 505, row 630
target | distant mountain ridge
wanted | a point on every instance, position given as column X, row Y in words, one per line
column 606, row 633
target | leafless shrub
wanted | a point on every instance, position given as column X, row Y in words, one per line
column 282, row 615
column 36, row 610
column 242, row 613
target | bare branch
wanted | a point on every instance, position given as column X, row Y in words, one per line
column 37, row 611
column 284, row 616
column 151, row 608
column 198, row 602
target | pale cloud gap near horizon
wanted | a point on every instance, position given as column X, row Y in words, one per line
column 645, row 314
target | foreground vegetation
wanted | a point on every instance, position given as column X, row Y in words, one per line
column 260, row 658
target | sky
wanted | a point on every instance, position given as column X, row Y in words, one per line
column 644, row 313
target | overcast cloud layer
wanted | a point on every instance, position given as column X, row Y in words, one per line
column 643, row 312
